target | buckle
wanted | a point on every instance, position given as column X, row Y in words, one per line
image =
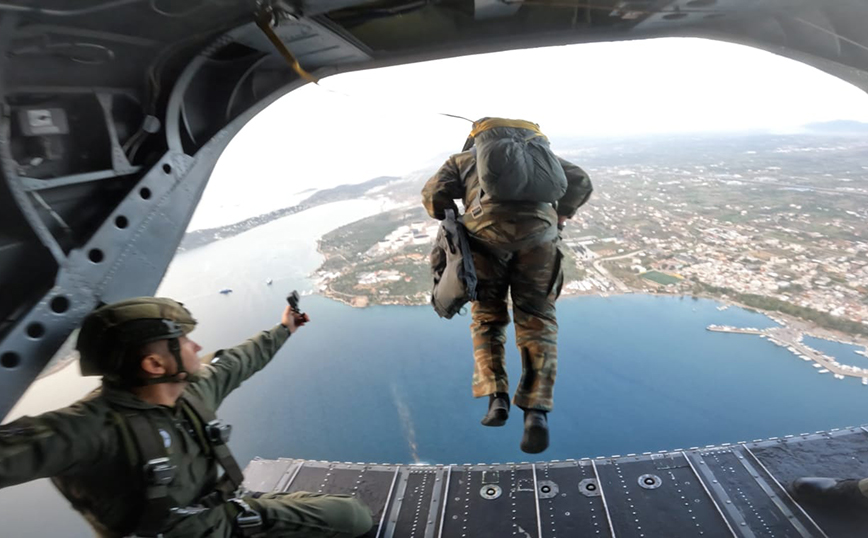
column 159, row 472
column 248, row 520
column 218, row 432
column 476, row 211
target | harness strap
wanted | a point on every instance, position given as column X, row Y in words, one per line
column 217, row 434
column 475, row 208
column 157, row 471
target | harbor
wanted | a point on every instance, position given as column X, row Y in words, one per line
column 791, row 338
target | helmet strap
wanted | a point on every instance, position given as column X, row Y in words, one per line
column 178, row 376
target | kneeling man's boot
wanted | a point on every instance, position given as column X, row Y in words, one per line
column 536, row 432
column 498, row 409
column 829, row 491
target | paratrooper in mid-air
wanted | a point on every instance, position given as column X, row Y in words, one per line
column 517, row 195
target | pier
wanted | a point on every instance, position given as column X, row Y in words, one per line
column 791, row 339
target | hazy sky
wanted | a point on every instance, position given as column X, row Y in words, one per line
column 358, row 126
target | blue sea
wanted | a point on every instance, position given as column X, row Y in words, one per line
column 390, row 384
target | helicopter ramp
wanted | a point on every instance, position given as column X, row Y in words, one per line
column 733, row 490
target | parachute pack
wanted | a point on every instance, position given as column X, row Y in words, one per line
column 452, row 266
column 515, row 162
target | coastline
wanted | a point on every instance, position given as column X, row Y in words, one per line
column 803, row 326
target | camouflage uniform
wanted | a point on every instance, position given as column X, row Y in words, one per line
column 86, row 449
column 515, row 248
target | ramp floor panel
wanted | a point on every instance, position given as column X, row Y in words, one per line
column 746, row 501
column 839, row 454
column 414, row 510
column 570, row 503
column 497, row 500
column 734, row 491
column 644, row 495
column 373, row 484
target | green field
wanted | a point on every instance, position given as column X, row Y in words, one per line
column 660, row 278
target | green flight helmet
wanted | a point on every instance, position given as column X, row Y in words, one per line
column 111, row 332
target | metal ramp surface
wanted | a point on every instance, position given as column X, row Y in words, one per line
column 733, row 490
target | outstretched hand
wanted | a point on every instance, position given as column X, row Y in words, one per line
column 293, row 320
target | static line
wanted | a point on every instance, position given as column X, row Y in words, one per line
column 294, row 474
column 388, row 498
column 603, row 498
column 782, row 488
column 536, row 500
column 445, row 499
column 710, row 496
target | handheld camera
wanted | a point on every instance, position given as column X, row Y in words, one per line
column 293, row 300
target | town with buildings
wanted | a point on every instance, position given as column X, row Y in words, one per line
column 774, row 223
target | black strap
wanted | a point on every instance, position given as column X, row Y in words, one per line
column 217, row 442
column 157, row 473
column 475, row 207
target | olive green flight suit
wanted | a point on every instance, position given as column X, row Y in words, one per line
column 515, row 250
column 82, row 447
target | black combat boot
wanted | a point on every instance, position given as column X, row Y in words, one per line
column 498, row 409
column 829, row 491
column 536, row 431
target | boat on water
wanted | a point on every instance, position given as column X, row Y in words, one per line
column 226, row 291
column 269, row 282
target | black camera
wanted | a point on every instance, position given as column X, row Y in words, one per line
column 293, row 300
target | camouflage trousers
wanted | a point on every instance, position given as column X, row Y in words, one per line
column 533, row 277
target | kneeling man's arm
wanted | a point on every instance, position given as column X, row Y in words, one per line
column 229, row 368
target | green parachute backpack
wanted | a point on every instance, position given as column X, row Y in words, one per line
column 515, row 162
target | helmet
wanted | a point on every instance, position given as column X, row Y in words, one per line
column 110, row 332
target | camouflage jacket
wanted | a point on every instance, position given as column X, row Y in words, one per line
column 83, row 447
column 501, row 223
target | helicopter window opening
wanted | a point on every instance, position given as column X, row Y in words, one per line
column 121, row 222
column 10, row 360
column 95, row 255
column 167, row 168
column 145, row 193
column 59, row 304
column 35, row 330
